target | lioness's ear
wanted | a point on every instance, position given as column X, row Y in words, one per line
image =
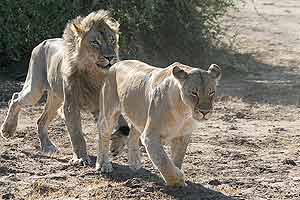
column 215, row 71
column 179, row 73
column 77, row 28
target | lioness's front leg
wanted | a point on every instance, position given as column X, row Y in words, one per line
column 73, row 123
column 172, row 175
column 178, row 149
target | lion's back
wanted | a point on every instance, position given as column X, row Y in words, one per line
column 45, row 64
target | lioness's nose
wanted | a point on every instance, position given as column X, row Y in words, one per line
column 204, row 113
column 109, row 58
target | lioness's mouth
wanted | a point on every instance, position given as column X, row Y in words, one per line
column 104, row 67
column 200, row 115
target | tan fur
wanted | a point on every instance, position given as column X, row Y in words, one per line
column 72, row 70
column 161, row 105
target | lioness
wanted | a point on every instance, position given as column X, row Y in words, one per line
column 72, row 70
column 162, row 106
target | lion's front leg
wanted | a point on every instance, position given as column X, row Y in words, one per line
column 73, row 123
column 103, row 163
column 172, row 175
column 178, row 149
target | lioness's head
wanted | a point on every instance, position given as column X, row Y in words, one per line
column 94, row 39
column 198, row 88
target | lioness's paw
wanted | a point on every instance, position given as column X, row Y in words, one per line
column 80, row 161
column 178, row 181
column 105, row 167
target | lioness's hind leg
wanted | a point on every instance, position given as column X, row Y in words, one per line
column 134, row 154
column 28, row 96
column 49, row 113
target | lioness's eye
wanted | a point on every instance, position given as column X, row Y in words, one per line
column 194, row 94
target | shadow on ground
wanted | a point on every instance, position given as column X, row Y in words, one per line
column 139, row 179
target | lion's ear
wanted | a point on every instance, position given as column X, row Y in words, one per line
column 77, row 28
column 179, row 73
column 215, row 71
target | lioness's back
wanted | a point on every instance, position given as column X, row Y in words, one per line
column 125, row 69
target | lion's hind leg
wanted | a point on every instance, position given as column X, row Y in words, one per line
column 49, row 113
column 31, row 93
column 28, row 96
column 11, row 120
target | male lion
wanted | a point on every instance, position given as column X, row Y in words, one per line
column 161, row 105
column 72, row 70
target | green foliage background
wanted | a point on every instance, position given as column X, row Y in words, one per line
column 157, row 31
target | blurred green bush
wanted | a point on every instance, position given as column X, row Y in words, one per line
column 160, row 31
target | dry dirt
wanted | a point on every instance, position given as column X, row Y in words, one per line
column 249, row 149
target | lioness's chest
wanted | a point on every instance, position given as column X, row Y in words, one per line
column 177, row 128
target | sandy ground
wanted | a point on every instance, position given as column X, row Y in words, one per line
column 249, row 149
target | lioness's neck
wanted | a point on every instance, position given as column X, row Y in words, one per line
column 174, row 92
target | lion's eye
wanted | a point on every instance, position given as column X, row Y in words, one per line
column 113, row 40
column 95, row 43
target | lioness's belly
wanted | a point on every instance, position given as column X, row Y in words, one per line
column 135, row 104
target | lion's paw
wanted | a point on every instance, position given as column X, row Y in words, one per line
column 49, row 148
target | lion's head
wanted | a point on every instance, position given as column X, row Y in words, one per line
column 92, row 40
column 198, row 88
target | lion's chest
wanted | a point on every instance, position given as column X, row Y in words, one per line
column 90, row 86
